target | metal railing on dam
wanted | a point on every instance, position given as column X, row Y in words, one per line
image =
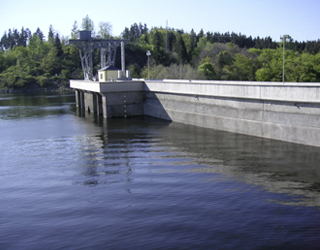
column 281, row 111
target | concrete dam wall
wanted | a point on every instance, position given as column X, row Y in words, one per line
column 288, row 112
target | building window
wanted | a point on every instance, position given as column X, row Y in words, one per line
column 101, row 76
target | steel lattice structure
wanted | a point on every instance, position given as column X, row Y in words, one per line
column 108, row 49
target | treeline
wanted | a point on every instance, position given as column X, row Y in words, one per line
column 28, row 61
column 228, row 56
column 15, row 38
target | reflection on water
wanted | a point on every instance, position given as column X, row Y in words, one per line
column 272, row 166
column 18, row 106
column 72, row 180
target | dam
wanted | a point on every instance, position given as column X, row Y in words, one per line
column 287, row 112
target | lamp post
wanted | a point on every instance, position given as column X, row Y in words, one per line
column 284, row 38
column 148, row 55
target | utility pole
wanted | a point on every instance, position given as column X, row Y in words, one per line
column 284, row 38
column 167, row 36
column 148, row 55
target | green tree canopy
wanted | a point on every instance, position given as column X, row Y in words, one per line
column 105, row 30
column 87, row 24
column 207, row 69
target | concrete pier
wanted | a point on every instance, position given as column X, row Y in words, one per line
column 288, row 112
column 112, row 99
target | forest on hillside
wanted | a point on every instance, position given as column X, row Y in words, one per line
column 30, row 61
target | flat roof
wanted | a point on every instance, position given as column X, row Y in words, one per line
column 109, row 67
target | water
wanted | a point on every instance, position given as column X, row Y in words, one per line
column 75, row 182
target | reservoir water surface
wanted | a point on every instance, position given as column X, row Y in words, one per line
column 77, row 181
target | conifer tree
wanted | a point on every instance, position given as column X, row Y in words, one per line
column 74, row 30
column 57, row 45
column 87, row 24
column 51, row 35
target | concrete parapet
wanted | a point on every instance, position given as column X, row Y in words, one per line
column 294, row 92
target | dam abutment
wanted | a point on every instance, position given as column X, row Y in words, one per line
column 287, row 112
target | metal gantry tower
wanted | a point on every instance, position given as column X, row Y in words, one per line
column 86, row 44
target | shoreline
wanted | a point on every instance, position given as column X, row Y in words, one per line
column 33, row 90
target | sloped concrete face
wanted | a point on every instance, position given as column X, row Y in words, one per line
column 271, row 120
column 287, row 112
column 292, row 122
column 240, row 116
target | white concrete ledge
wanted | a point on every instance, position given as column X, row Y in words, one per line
column 269, row 91
column 293, row 92
column 110, row 87
column 85, row 85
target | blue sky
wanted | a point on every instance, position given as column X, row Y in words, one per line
column 300, row 19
